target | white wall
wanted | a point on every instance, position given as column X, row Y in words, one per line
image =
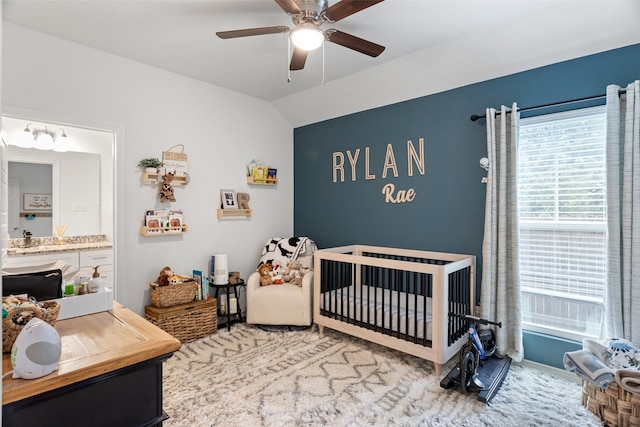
column 221, row 132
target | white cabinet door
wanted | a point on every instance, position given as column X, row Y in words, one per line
column 70, row 258
column 89, row 258
column 101, row 258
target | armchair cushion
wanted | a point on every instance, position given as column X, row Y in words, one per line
column 280, row 304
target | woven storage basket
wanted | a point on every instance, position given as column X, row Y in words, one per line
column 614, row 405
column 18, row 317
column 186, row 322
column 170, row 295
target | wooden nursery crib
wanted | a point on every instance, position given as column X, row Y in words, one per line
column 400, row 298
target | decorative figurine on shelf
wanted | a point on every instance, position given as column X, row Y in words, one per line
column 243, row 200
column 166, row 190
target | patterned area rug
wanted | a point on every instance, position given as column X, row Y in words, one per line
column 274, row 376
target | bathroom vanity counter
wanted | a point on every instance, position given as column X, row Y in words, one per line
column 82, row 255
column 52, row 249
column 110, row 373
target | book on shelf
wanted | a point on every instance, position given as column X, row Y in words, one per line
column 163, row 221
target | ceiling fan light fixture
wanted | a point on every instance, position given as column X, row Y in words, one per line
column 307, row 37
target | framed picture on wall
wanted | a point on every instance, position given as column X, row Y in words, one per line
column 36, row 202
column 228, row 199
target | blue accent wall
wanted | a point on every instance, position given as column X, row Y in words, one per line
column 447, row 212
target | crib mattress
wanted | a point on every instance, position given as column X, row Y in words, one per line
column 400, row 312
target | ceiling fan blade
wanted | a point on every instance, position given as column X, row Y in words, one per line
column 346, row 8
column 298, row 59
column 251, row 32
column 289, row 6
column 353, row 42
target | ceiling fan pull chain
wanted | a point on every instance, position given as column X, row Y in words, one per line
column 288, row 56
column 322, row 62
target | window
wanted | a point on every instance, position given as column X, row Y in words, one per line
column 562, row 208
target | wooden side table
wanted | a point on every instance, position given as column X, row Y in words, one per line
column 227, row 286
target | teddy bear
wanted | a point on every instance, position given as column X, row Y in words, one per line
column 166, row 190
column 164, row 277
column 294, row 273
column 265, row 277
column 234, row 278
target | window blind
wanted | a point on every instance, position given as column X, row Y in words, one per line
column 562, row 211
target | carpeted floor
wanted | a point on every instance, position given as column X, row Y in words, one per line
column 274, row 376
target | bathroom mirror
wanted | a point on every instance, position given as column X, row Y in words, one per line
column 73, row 188
column 48, row 188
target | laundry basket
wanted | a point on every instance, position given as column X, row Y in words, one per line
column 614, row 405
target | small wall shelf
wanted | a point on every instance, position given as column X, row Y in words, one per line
column 153, row 232
column 35, row 214
column 255, row 181
column 152, row 178
column 229, row 213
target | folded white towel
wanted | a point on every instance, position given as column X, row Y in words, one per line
column 629, row 380
column 597, row 348
column 588, row 367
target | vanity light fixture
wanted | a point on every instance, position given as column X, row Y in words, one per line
column 42, row 138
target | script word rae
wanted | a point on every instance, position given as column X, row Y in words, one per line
column 402, row 196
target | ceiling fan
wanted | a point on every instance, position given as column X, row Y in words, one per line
column 308, row 16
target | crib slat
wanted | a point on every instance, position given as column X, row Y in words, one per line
column 383, row 304
column 406, row 307
column 425, row 292
column 415, row 307
column 348, row 296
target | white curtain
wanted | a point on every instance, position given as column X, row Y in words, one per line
column 500, row 291
column 622, row 298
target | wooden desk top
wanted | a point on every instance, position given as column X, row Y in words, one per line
column 93, row 345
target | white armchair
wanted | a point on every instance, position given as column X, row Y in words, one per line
column 284, row 304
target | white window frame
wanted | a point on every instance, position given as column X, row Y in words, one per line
column 559, row 225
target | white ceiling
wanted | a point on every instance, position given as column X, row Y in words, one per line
column 179, row 35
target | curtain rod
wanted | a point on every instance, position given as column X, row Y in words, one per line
column 475, row 117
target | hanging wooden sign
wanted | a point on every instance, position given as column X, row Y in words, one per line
column 174, row 161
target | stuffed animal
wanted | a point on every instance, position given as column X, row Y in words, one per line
column 164, row 276
column 175, row 280
column 276, row 273
column 234, row 278
column 294, row 273
column 296, row 278
column 166, row 190
column 622, row 354
column 265, row 277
